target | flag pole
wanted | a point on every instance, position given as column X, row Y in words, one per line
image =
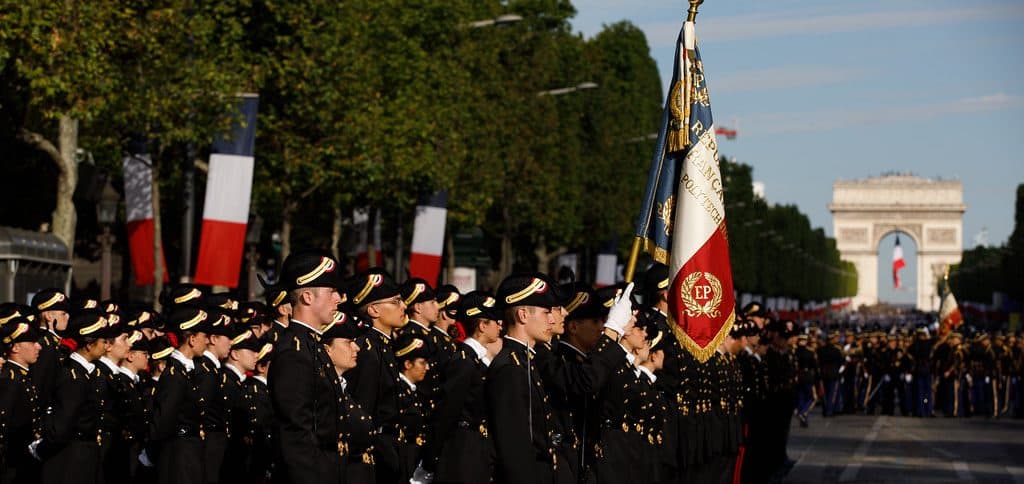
column 691, row 14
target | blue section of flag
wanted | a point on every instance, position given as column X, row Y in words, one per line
column 242, row 138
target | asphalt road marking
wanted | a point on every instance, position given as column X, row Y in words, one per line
column 962, row 472
column 938, row 450
column 1017, row 473
column 851, row 469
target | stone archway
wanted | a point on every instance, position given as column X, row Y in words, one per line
column 929, row 211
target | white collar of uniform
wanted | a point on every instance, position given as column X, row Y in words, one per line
column 260, row 378
column 344, row 382
column 110, row 364
column 53, row 333
column 241, row 375
column 479, row 349
column 296, row 321
column 630, row 357
column 407, row 382
column 131, row 374
column 649, row 373
column 388, row 336
column 212, row 357
column 564, row 342
column 186, row 362
column 523, row 343
column 19, row 365
column 279, row 323
column 425, row 327
column 82, row 361
column 748, row 350
column 439, row 330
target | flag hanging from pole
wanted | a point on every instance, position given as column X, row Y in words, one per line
column 682, row 219
column 897, row 263
column 226, row 210
column 428, row 237
column 138, row 195
column 949, row 312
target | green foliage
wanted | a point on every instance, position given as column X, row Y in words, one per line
column 984, row 270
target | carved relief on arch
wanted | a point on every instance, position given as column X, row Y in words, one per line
column 944, row 236
column 853, row 235
column 880, row 230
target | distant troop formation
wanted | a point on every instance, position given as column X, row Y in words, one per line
column 361, row 379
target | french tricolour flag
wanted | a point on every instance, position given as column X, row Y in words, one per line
column 226, row 211
column 428, row 236
column 897, row 263
column 138, row 194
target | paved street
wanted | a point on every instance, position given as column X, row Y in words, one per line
column 899, row 449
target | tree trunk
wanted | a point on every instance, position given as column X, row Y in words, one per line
column 505, row 265
column 449, row 247
column 545, row 256
column 286, row 228
column 158, row 246
column 336, row 233
column 371, row 232
column 399, row 257
column 64, row 217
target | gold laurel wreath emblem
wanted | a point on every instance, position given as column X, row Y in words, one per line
column 665, row 213
column 694, row 308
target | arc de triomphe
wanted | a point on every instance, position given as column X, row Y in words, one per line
column 929, row 211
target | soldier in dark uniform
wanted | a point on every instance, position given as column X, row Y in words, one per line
column 448, row 297
column 240, row 400
column 941, row 359
column 279, row 307
column 421, row 307
column 52, row 307
column 176, row 434
column 465, row 453
column 982, row 364
column 518, row 411
column 887, row 361
column 211, row 379
column 922, row 399
column 807, row 379
column 71, row 436
column 136, row 408
column 780, row 400
column 260, row 467
column 755, row 388
column 905, row 385
column 373, row 383
column 303, row 384
column 357, row 432
column 114, row 400
column 411, row 355
column 831, row 360
column 19, row 401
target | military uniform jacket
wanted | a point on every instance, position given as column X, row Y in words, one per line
column 177, row 411
column 618, row 443
column 373, row 384
column 430, row 385
column 44, row 371
column 262, row 456
column 211, row 381
column 19, row 419
column 830, row 357
column 464, row 449
column 519, row 417
column 807, row 363
column 305, row 391
column 70, row 447
column 112, row 399
column 240, row 401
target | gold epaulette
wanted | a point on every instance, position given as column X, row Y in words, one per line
column 298, row 345
column 515, row 358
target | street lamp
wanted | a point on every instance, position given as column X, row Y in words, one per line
column 568, row 90
column 106, row 215
column 252, row 239
column 506, row 19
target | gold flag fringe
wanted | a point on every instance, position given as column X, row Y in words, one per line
column 705, row 353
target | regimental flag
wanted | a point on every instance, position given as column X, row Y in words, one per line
column 226, row 210
column 138, row 194
column 682, row 219
column 897, row 263
column 949, row 312
column 428, row 237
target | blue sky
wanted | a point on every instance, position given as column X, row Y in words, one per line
column 824, row 90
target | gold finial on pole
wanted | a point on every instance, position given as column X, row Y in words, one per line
column 691, row 14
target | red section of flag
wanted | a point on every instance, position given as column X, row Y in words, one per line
column 220, row 253
column 363, row 260
column 728, row 133
column 701, row 296
column 425, row 266
column 140, row 247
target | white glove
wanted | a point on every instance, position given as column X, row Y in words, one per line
column 969, row 379
column 908, row 377
column 420, row 476
column 842, row 368
column 886, row 379
column 144, row 459
column 32, row 449
column 987, row 380
column 621, row 314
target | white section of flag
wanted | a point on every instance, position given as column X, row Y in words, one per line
column 428, row 230
column 228, row 188
column 606, row 264
column 138, row 187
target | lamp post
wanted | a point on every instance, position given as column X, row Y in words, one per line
column 568, row 90
column 106, row 215
column 252, row 256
